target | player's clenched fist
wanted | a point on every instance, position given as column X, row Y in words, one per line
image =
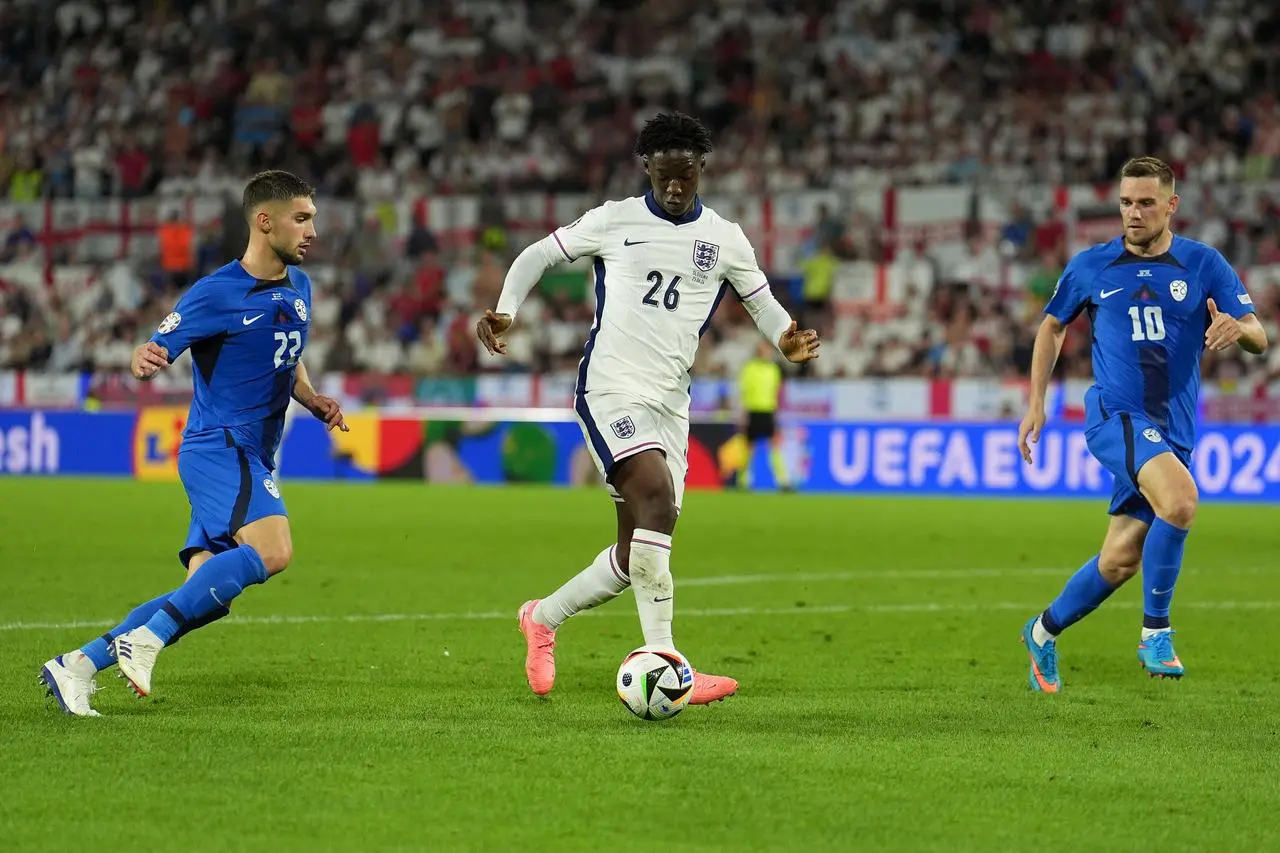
column 490, row 328
column 799, row 346
column 148, row 360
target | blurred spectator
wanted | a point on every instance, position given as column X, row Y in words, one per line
column 393, row 104
column 176, row 239
column 819, row 273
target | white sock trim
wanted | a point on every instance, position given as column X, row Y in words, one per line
column 1039, row 634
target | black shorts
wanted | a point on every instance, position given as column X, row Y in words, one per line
column 761, row 425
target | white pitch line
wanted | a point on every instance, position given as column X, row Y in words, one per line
column 485, row 616
column 919, row 574
column 865, row 575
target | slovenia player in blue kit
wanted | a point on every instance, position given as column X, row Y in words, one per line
column 246, row 326
column 1155, row 302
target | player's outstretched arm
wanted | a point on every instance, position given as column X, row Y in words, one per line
column 773, row 321
column 1043, row 358
column 148, row 360
column 525, row 272
column 325, row 408
column 581, row 238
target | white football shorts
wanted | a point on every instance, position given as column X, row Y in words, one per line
column 617, row 426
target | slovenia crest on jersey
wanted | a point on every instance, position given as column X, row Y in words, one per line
column 169, row 323
column 705, row 255
column 301, row 308
column 623, row 428
column 1178, row 290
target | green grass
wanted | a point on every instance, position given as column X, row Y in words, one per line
column 884, row 703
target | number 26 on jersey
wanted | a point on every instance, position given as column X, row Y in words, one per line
column 670, row 297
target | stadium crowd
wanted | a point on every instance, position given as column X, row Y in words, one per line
column 378, row 99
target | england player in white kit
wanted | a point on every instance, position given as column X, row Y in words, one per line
column 663, row 261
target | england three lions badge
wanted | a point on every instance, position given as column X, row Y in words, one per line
column 623, row 428
column 705, row 255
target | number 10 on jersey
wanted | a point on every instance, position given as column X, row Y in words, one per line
column 1148, row 323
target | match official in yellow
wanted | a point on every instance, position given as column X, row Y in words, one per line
column 759, row 390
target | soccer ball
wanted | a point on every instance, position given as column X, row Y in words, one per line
column 655, row 684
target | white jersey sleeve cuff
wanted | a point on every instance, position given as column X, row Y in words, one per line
column 767, row 312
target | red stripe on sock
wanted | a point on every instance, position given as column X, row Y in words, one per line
column 613, row 562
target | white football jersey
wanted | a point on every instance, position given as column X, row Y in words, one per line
column 658, row 280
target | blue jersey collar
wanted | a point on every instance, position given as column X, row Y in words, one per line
column 660, row 212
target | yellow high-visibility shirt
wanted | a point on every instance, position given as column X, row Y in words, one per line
column 759, row 385
column 819, row 275
column 25, row 186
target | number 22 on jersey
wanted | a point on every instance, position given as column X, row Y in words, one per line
column 291, row 341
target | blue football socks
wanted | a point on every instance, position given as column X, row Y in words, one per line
column 1086, row 589
column 98, row 651
column 1161, row 562
column 212, row 588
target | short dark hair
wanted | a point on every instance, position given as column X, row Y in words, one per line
column 673, row 131
column 273, row 185
column 1149, row 167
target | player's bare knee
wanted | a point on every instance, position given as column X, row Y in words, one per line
column 656, row 510
column 1181, row 511
column 275, row 556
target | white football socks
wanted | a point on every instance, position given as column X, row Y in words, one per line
column 78, row 662
column 1148, row 633
column 599, row 582
column 650, row 568
column 1039, row 634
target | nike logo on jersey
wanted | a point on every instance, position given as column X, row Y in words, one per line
column 247, row 319
column 630, row 242
column 1104, row 294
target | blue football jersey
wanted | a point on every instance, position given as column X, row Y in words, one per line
column 246, row 337
column 1149, row 317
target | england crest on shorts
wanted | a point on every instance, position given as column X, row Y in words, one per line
column 623, row 428
column 301, row 308
column 705, row 255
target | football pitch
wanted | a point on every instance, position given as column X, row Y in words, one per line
column 373, row 696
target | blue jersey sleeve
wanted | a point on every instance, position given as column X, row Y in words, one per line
column 1225, row 287
column 1071, row 294
column 198, row 315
